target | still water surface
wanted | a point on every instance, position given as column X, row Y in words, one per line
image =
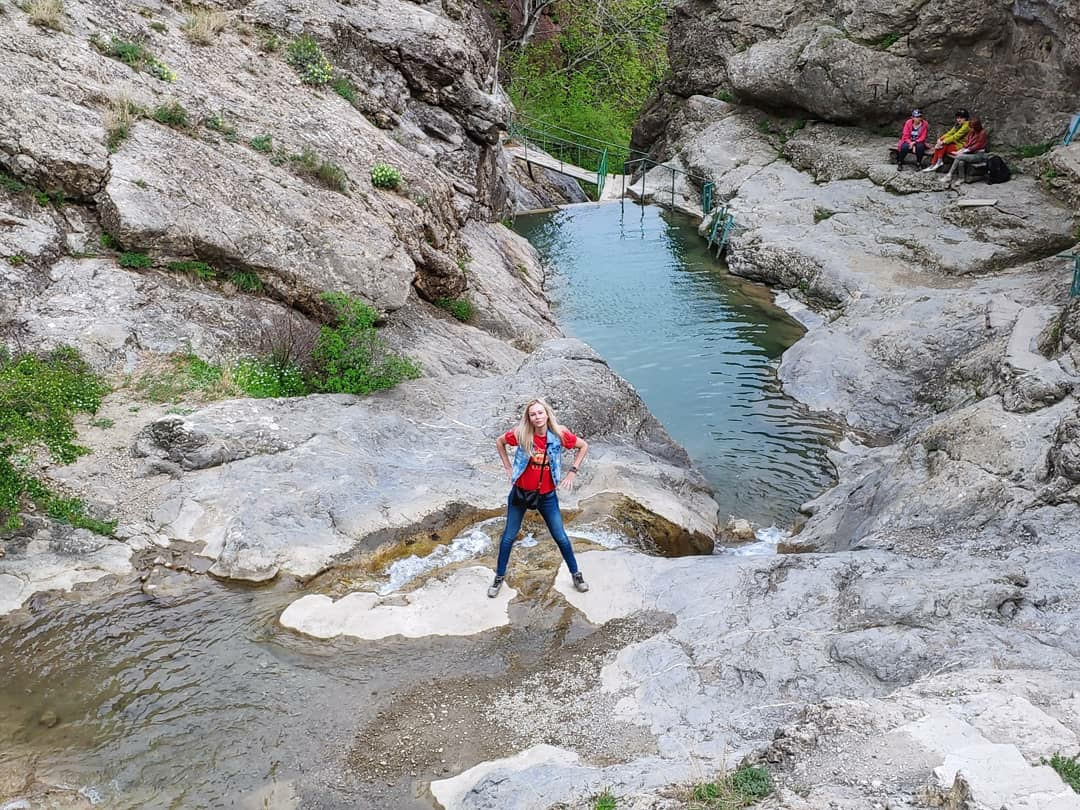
column 700, row 346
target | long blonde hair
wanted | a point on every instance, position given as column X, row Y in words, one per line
column 524, row 431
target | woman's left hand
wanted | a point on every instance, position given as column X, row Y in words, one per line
column 568, row 481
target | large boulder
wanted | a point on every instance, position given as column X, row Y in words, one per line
column 872, row 62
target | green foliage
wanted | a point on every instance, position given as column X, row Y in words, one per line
column 597, row 72
column 383, row 175
column 17, row 260
column 725, row 95
column 262, row 143
column 460, row 308
column 104, row 423
column 752, row 783
column 1068, row 768
column 345, row 88
column 39, row 396
column 822, row 214
column 248, row 282
column 160, row 27
column 605, row 801
column 265, row 378
column 741, row 788
column 219, row 123
column 182, row 375
column 11, row 184
column 198, row 269
column 883, row 43
column 269, row 42
column 134, row 260
column 134, row 55
column 172, row 115
column 1034, row 149
column 108, row 241
column 310, row 164
column 305, row 55
column 350, row 357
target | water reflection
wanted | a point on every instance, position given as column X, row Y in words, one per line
column 699, row 345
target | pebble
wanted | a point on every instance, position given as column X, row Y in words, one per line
column 48, row 719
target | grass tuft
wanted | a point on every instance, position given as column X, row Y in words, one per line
column 46, row 13
column 200, row 270
column 605, row 801
column 741, row 788
column 460, row 308
column 310, row 164
column 262, row 143
column 203, row 25
column 172, row 114
column 346, row 89
column 120, row 116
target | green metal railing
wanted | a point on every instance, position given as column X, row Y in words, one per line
column 1074, row 290
column 596, row 155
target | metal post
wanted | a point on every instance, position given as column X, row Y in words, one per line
column 672, row 189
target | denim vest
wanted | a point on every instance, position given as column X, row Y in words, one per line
column 555, row 448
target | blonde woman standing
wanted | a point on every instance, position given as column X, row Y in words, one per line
column 536, row 475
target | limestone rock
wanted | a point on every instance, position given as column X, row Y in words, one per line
column 872, row 63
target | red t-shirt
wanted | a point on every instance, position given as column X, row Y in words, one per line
column 533, row 470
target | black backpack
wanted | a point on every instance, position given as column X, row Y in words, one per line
column 997, row 170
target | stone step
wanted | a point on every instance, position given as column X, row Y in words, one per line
column 998, row 776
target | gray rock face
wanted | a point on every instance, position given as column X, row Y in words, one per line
column 872, row 62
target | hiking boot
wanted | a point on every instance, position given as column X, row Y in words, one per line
column 580, row 583
column 493, row 591
column 899, row 167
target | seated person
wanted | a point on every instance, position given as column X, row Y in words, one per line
column 973, row 151
column 912, row 138
column 951, row 141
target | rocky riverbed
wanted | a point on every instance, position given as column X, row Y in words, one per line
column 918, row 650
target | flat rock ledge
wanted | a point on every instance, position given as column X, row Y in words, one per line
column 419, row 613
column 58, row 561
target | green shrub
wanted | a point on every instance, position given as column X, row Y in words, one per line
column 134, row 260
column 265, row 378
column 350, row 357
column 305, row 55
column 460, row 308
column 1068, row 768
column 383, row 175
column 752, row 783
column 605, row 801
column 172, row 115
column 11, row 184
column 108, row 241
column 39, row 396
column 246, row 281
column 196, row 268
column 725, row 95
column 134, row 55
column 345, row 88
column 17, row 260
column 262, row 143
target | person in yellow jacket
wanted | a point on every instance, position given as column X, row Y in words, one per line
column 951, row 141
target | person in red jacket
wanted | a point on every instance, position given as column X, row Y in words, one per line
column 912, row 139
column 973, row 151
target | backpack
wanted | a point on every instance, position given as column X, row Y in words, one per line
column 997, row 170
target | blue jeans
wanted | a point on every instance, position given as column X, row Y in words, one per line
column 549, row 511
